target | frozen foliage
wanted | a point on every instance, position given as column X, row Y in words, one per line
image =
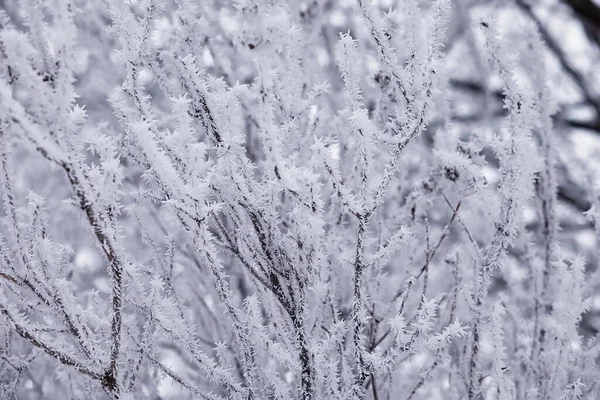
column 277, row 200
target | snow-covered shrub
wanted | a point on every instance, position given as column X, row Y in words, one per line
column 276, row 200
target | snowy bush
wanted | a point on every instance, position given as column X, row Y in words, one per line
column 283, row 200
